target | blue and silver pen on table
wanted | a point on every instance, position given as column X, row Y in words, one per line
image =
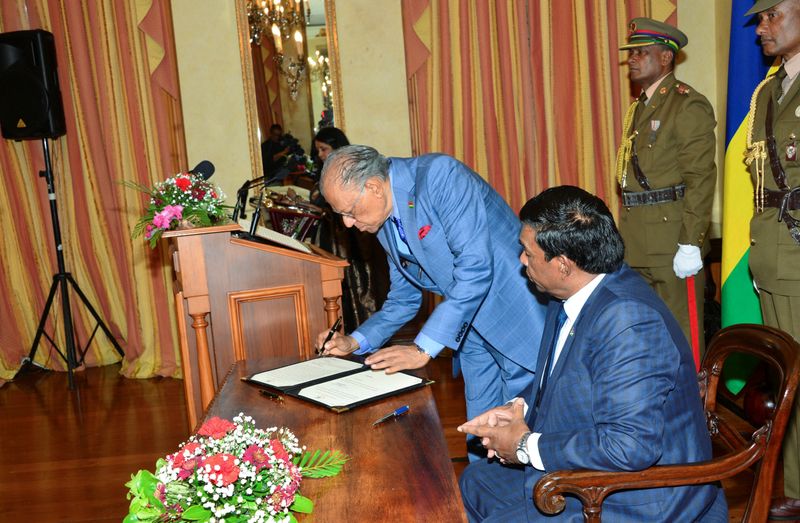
column 394, row 414
column 328, row 338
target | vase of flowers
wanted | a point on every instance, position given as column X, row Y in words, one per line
column 232, row 472
column 186, row 200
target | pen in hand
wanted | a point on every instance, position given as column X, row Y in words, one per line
column 328, row 338
column 394, row 414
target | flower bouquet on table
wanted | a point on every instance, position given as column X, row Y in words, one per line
column 185, row 200
column 230, row 472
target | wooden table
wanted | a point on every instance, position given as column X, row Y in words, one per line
column 398, row 471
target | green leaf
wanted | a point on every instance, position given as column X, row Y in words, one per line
column 302, row 504
column 196, row 513
column 292, row 519
column 143, row 481
column 325, row 465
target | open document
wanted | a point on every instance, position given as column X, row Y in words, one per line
column 336, row 383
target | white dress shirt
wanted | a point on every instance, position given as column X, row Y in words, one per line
column 792, row 68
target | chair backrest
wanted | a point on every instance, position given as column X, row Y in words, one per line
column 773, row 347
column 781, row 354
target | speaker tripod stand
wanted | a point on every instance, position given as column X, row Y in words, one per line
column 63, row 281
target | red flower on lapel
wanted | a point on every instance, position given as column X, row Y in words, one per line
column 423, row 231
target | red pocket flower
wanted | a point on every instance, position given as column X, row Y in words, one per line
column 423, row 231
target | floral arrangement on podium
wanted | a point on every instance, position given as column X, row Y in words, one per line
column 232, row 472
column 186, row 200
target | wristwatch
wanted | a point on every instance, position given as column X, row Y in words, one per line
column 522, row 449
column 422, row 351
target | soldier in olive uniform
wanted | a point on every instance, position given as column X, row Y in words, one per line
column 666, row 170
column 774, row 123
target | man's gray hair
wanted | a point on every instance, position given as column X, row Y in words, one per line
column 352, row 165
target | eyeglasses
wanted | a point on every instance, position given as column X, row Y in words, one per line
column 349, row 214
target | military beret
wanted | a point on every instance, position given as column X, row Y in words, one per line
column 762, row 5
column 646, row 31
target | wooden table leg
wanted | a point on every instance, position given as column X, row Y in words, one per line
column 199, row 325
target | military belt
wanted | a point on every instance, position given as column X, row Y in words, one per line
column 788, row 197
column 788, row 200
column 656, row 196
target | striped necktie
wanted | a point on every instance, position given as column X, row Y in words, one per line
column 400, row 229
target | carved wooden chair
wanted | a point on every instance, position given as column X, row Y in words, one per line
column 774, row 347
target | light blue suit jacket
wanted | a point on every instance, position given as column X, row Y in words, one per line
column 624, row 396
column 465, row 241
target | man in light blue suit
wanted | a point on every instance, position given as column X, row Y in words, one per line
column 618, row 388
column 445, row 230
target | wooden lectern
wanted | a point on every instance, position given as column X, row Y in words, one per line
column 245, row 300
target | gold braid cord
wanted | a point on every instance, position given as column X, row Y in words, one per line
column 756, row 152
column 625, row 148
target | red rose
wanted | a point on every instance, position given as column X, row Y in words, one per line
column 221, row 469
column 278, row 450
column 423, row 231
column 216, row 428
column 183, row 183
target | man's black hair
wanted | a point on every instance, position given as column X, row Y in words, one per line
column 570, row 221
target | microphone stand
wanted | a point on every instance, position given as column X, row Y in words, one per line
column 241, row 196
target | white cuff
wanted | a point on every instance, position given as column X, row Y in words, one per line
column 533, row 451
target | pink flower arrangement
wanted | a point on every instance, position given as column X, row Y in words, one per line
column 183, row 200
column 232, row 471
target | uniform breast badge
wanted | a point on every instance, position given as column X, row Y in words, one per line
column 791, row 149
column 654, row 126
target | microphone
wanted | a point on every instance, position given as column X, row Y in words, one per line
column 204, row 169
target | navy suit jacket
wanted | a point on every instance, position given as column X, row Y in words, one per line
column 624, row 396
column 465, row 241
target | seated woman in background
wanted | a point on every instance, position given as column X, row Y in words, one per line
column 366, row 280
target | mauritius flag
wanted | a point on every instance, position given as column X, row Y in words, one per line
column 747, row 66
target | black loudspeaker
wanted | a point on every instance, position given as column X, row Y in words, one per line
column 30, row 100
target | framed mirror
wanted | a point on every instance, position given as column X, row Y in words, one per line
column 293, row 67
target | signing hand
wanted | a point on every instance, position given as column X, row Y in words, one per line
column 398, row 357
column 500, row 430
column 339, row 345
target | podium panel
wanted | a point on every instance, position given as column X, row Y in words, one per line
column 270, row 321
column 238, row 299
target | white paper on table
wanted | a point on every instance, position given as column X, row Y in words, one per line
column 357, row 387
column 305, row 371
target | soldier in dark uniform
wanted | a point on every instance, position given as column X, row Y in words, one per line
column 667, row 174
column 774, row 128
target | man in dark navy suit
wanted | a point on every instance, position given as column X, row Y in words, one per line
column 616, row 387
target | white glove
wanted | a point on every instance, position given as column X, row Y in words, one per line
column 687, row 261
